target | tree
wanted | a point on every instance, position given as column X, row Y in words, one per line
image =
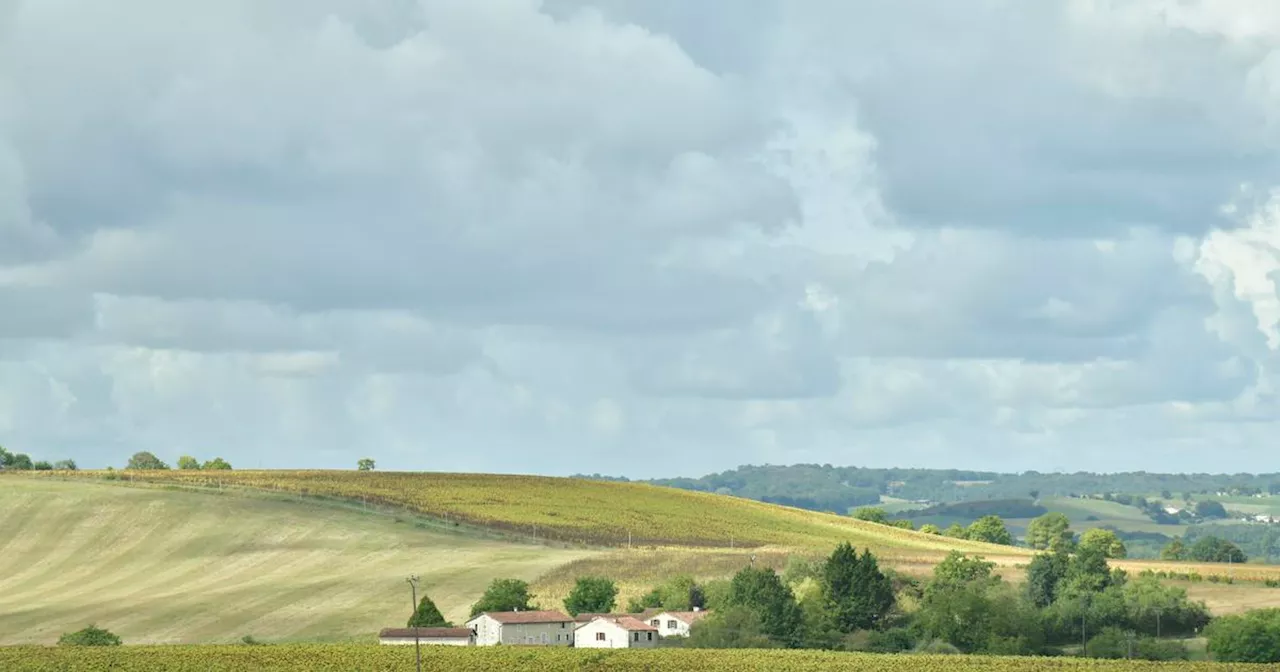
column 1035, row 494
column 1207, row 508
column 1105, row 541
column 871, row 514
column 957, row 531
column 21, row 462
column 1051, row 532
column 1174, row 550
column 593, row 595
column 762, row 591
column 503, row 595
column 42, row 465
column 1214, row 549
column 1166, row 495
column 854, row 590
column 1252, row 637
column 145, row 460
column 365, row 464
column 730, row 628
column 1087, row 572
column 1044, row 574
column 90, row 636
column 930, row 528
column 217, row 464
column 66, row 465
column 6, row 457
column 186, row 462
column 427, row 616
column 990, row 529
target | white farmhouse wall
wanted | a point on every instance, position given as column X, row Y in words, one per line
column 604, row 634
column 490, row 632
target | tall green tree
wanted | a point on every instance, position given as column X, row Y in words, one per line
column 854, row 590
column 427, row 616
column 1214, row 549
column 1051, row 532
column 66, row 465
column 21, row 462
column 6, row 457
column 216, row 464
column 188, row 463
column 1105, row 541
column 144, row 460
column 593, row 595
column 1044, row 574
column 365, row 464
column 503, row 595
column 990, row 529
column 762, row 591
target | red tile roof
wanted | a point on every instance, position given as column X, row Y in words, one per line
column 425, row 633
column 585, row 617
column 689, row 617
column 629, row 623
column 506, row 617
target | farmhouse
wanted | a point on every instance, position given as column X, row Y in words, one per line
column 615, row 632
column 426, row 636
column 549, row 628
column 673, row 623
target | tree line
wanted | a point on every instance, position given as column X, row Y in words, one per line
column 23, row 462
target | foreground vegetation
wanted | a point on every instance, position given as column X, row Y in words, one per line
column 370, row 658
column 575, row 510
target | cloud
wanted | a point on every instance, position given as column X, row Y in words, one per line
column 459, row 235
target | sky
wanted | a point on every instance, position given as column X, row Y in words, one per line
column 643, row 238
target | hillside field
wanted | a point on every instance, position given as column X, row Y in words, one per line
column 370, row 658
column 166, row 566
column 590, row 513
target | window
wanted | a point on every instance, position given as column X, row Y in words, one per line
column 671, row 625
column 654, row 622
column 562, row 626
column 650, row 636
column 635, row 636
column 599, row 636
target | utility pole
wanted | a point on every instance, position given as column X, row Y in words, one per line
column 417, row 645
column 1157, row 623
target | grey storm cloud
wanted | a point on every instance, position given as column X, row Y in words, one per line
column 443, row 233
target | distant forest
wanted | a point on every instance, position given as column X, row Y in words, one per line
column 823, row 487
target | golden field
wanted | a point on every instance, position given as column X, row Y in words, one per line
column 370, row 658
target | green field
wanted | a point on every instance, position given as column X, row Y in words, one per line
column 365, row 658
column 168, row 566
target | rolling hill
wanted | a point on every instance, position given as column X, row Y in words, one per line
column 164, row 566
column 574, row 511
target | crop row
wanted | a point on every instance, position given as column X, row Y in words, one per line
column 369, row 658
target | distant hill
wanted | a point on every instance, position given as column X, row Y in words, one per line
column 824, row 487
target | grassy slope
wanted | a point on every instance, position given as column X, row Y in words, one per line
column 169, row 566
column 592, row 512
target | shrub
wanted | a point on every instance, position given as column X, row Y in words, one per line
column 90, row 636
